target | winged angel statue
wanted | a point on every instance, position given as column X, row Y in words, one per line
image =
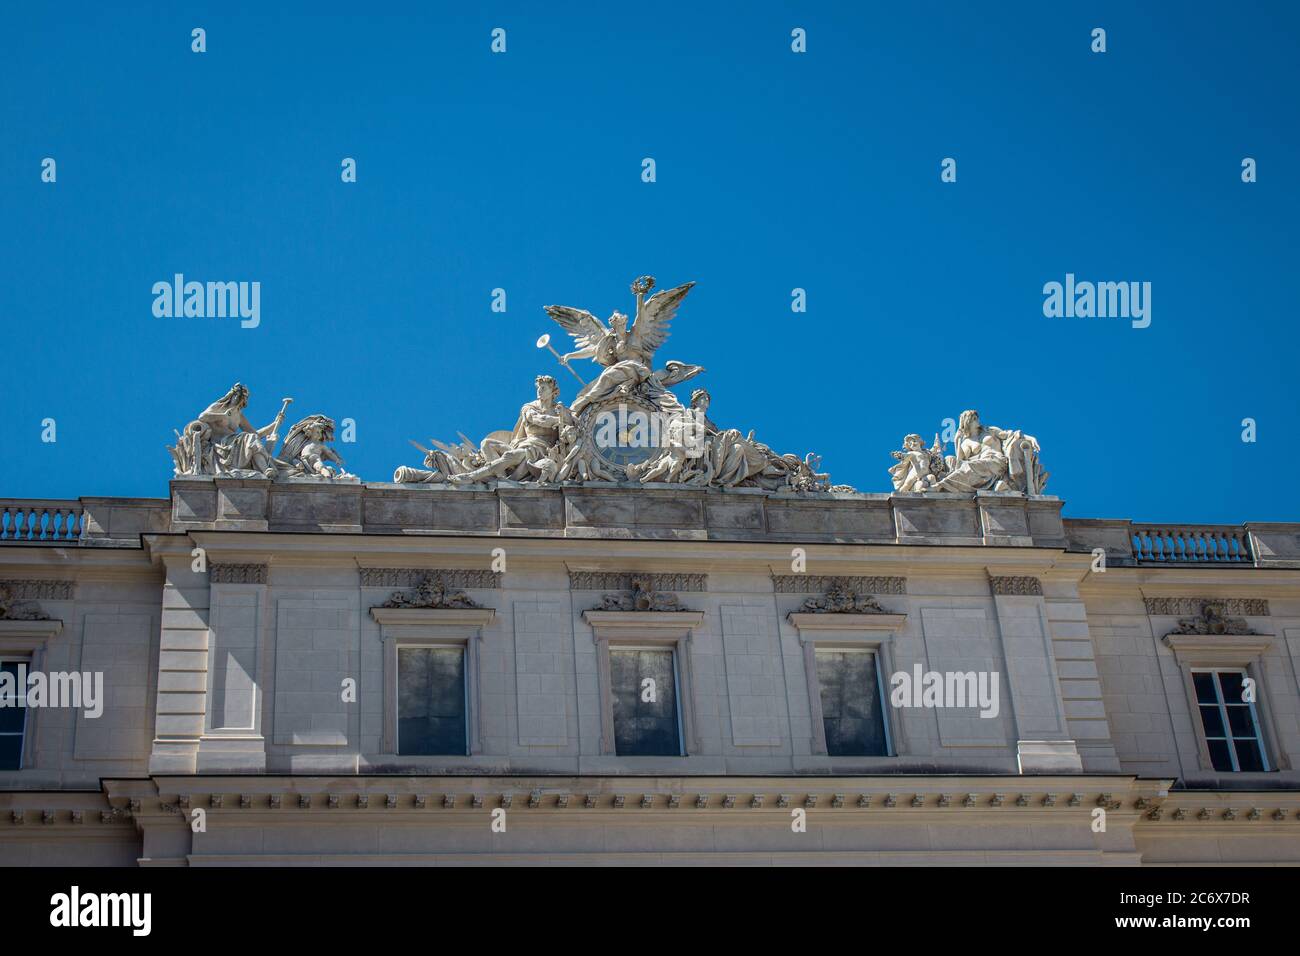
column 552, row 443
column 627, row 354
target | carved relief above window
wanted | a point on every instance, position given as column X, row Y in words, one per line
column 12, row 609
column 1187, row 607
column 622, row 581
column 471, row 578
column 821, row 583
column 643, row 597
column 28, row 590
column 842, row 597
column 1211, row 617
column 432, row 592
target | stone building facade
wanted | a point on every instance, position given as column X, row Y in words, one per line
column 331, row 671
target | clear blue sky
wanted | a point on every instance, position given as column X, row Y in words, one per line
column 775, row 171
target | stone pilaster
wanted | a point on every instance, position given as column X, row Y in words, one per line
column 1043, row 743
column 182, row 665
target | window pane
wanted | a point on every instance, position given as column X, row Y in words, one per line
column 1230, row 681
column 1212, row 720
column 11, row 708
column 11, row 751
column 1204, row 688
column 1241, row 722
column 1249, row 756
column 431, row 700
column 850, row 696
column 644, row 726
column 1219, row 755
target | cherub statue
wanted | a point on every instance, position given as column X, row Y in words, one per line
column 918, row 468
column 577, row 459
column 306, row 450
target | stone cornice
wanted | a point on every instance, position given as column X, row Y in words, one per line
column 1231, row 650
column 643, row 620
column 718, row 798
column 42, row 630
column 438, row 617
column 807, row 621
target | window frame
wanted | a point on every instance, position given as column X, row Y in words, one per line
column 29, row 641
column 22, row 735
column 649, row 630
column 878, row 664
column 433, row 627
column 1228, row 652
column 415, row 644
column 864, row 632
column 659, row 647
column 1228, row 737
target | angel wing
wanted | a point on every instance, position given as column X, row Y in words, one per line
column 585, row 328
column 654, row 316
column 297, row 437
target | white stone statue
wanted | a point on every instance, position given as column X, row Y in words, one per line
column 625, row 425
column 991, row 459
column 627, row 354
column 918, row 468
column 221, row 441
column 534, row 451
column 306, row 453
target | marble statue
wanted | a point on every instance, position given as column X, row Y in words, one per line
column 528, row 454
column 918, row 468
column 222, row 442
column 627, row 354
column 307, row 452
column 987, row 459
column 991, row 459
column 553, row 444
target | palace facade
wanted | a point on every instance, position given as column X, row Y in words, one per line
column 318, row 670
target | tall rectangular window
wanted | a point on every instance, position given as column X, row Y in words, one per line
column 1229, row 721
column 646, row 717
column 13, row 713
column 431, row 717
column 851, row 698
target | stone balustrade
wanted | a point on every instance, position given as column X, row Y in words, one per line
column 40, row 520
column 1192, row 544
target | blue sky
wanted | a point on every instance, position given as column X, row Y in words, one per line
column 775, row 170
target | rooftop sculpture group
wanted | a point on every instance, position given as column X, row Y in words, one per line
column 625, row 426
column 222, row 442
